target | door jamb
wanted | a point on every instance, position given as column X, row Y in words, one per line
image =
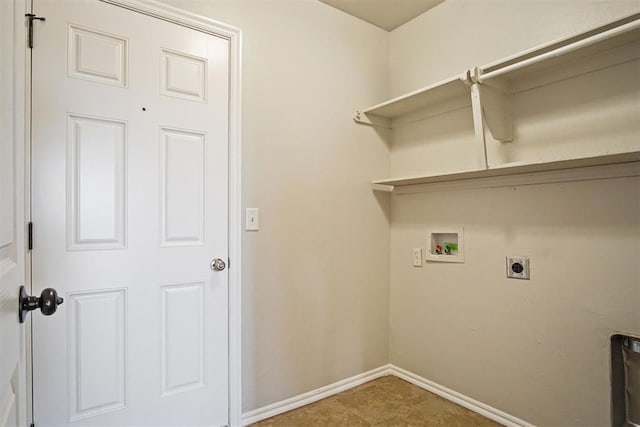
column 234, row 36
column 17, row 74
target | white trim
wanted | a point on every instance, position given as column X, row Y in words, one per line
column 9, row 406
column 351, row 382
column 181, row 17
column 22, row 176
column 460, row 399
column 313, row 395
column 234, row 35
column 26, row 126
column 589, row 173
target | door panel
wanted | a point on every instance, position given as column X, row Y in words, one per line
column 130, row 195
column 182, row 337
column 96, row 183
column 182, row 187
column 97, row 352
column 183, row 76
column 97, row 56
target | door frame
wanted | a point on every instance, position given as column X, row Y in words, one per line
column 234, row 36
column 15, row 73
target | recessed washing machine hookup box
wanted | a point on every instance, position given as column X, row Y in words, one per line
column 445, row 245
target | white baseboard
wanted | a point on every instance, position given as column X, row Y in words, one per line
column 460, row 399
column 313, row 396
column 340, row 386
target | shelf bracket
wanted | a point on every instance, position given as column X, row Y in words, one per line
column 497, row 111
column 495, row 101
column 478, row 127
column 371, row 120
column 467, row 78
column 382, row 187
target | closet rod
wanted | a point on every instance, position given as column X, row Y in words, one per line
column 630, row 26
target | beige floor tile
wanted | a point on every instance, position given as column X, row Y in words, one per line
column 397, row 422
column 326, row 413
column 402, row 390
column 379, row 403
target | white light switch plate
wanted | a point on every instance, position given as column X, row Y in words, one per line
column 417, row 257
column 252, row 219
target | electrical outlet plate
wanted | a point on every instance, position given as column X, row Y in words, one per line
column 518, row 267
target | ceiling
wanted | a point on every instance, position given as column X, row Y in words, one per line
column 386, row 14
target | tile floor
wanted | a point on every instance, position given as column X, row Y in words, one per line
column 385, row 402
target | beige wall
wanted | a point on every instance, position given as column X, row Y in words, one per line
column 315, row 291
column 536, row 349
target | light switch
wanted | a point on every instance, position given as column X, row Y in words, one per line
column 417, row 257
column 252, row 219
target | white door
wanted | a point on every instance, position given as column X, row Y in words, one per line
column 12, row 236
column 130, row 195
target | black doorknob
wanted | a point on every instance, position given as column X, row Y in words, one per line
column 48, row 302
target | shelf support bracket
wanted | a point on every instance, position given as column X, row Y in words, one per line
column 497, row 111
column 371, row 120
column 478, row 127
column 467, row 78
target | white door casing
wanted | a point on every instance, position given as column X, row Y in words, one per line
column 131, row 127
column 12, row 213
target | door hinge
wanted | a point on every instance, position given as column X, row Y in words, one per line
column 30, row 18
column 30, row 235
column 32, row 425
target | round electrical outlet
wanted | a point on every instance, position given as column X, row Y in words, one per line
column 518, row 267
